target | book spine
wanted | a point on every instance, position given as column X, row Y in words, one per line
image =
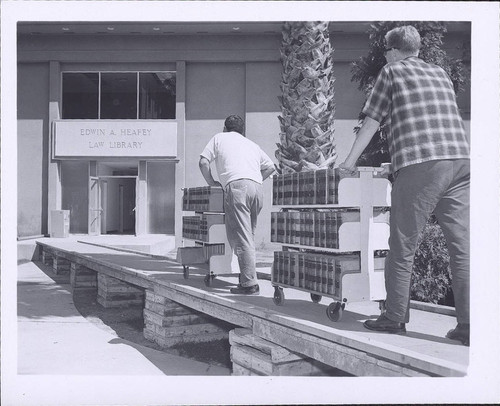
column 275, row 268
column 331, row 276
column 300, row 270
column 293, row 269
column 275, row 190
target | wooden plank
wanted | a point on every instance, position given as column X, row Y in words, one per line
column 433, row 308
column 338, row 356
column 173, row 341
column 120, row 296
column 239, row 370
column 120, row 289
column 117, row 303
column 245, row 337
column 225, row 313
column 169, row 321
column 116, row 284
column 259, row 362
column 85, row 278
column 84, row 290
column 61, row 266
column 197, row 330
column 229, row 302
column 82, row 270
column 252, row 359
column 166, row 310
column 153, row 297
column 151, row 333
column 82, row 284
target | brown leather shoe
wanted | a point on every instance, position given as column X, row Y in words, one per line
column 461, row 333
column 383, row 324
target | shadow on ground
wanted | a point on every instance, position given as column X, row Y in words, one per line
column 128, row 324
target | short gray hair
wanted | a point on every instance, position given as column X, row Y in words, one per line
column 405, row 38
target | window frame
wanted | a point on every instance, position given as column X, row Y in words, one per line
column 99, row 94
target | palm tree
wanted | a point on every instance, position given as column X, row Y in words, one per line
column 307, row 101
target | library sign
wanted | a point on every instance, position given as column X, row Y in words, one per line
column 114, row 138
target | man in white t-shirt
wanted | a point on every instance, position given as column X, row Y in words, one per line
column 241, row 166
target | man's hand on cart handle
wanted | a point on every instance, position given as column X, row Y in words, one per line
column 346, row 167
column 386, row 169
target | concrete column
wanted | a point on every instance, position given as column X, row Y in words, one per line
column 46, row 257
column 82, row 279
column 168, row 323
column 180, row 169
column 112, row 292
column 54, row 198
column 141, row 211
column 61, row 265
column 93, row 168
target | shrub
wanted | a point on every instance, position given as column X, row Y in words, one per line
column 431, row 276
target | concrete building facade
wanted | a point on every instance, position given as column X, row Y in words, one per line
column 112, row 117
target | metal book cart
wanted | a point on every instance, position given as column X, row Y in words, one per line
column 206, row 228
column 334, row 231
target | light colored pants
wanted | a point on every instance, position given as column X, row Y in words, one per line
column 242, row 203
column 440, row 187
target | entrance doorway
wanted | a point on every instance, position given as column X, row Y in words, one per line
column 113, row 200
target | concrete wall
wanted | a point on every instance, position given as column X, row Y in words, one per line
column 32, row 148
column 75, row 183
column 213, row 92
column 161, row 185
column 30, row 194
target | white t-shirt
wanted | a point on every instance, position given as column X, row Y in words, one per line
column 236, row 157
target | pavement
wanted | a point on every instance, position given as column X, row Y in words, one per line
column 54, row 338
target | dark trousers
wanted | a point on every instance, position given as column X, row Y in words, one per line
column 440, row 187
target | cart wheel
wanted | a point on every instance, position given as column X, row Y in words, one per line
column 381, row 306
column 316, row 298
column 186, row 272
column 208, row 279
column 334, row 311
column 279, row 296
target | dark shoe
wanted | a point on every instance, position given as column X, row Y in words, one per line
column 242, row 290
column 461, row 333
column 383, row 324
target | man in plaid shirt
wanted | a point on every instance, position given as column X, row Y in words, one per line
column 430, row 162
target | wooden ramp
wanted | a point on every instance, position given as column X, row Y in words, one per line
column 299, row 325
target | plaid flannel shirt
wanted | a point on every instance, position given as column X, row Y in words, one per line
column 418, row 101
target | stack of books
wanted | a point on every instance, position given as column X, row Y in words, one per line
column 197, row 227
column 308, row 188
column 210, row 250
column 311, row 228
column 191, row 227
column 204, row 198
column 315, row 272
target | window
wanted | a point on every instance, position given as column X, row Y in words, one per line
column 118, row 95
column 157, row 95
column 80, row 96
